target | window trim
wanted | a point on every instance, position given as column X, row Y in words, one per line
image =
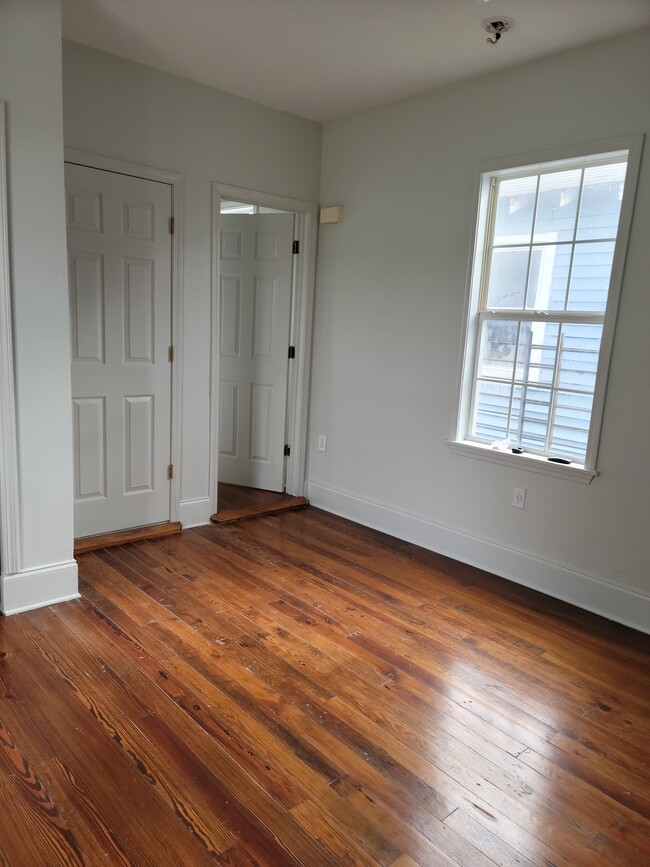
column 458, row 441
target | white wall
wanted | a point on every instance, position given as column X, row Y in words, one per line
column 389, row 318
column 125, row 111
column 30, row 83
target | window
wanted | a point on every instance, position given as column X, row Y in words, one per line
column 546, row 274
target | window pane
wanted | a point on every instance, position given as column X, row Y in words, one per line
column 514, row 210
column 492, row 403
column 570, row 430
column 537, row 351
column 579, row 348
column 549, row 275
column 507, row 280
column 548, row 405
column 498, row 343
column 601, row 201
column 559, row 194
column 590, row 276
column 534, row 422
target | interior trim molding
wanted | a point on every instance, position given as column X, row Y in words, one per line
column 591, row 592
column 195, row 513
column 9, row 496
column 36, row 588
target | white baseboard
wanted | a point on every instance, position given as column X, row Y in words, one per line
column 35, row 588
column 195, row 513
column 591, row 592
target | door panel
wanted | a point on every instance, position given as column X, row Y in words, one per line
column 138, row 439
column 119, row 250
column 256, row 266
column 87, row 307
column 261, row 416
column 138, row 311
column 228, row 400
column 90, row 429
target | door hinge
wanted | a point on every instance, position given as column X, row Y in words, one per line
column 172, row 224
column 170, row 353
column 292, row 352
column 287, row 451
column 296, row 247
column 170, row 472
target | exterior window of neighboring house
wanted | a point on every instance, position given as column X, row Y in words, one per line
column 546, row 276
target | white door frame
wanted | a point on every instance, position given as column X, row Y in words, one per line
column 300, row 336
column 95, row 161
column 9, row 512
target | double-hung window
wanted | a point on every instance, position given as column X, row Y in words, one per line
column 547, row 269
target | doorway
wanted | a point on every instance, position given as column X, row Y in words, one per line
column 263, row 271
column 256, row 263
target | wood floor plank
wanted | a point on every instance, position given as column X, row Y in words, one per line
column 117, row 786
column 98, row 840
column 357, row 846
column 102, row 697
column 490, row 844
column 38, row 824
column 273, row 755
column 298, row 690
column 315, row 610
column 249, row 824
column 433, row 842
column 252, row 810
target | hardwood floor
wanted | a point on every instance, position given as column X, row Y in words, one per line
column 298, row 690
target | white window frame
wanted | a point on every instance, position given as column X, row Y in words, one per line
column 459, row 441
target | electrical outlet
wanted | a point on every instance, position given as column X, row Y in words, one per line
column 322, row 443
column 519, row 497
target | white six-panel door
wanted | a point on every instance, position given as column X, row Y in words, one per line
column 119, row 250
column 254, row 321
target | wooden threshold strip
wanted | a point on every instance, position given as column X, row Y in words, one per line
column 285, row 505
column 136, row 534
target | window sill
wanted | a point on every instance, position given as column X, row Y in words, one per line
column 525, row 461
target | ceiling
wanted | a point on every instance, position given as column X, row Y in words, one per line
column 323, row 59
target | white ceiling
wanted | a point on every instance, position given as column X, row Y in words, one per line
column 323, row 59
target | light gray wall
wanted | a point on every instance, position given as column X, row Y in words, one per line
column 389, row 319
column 125, row 111
column 30, row 83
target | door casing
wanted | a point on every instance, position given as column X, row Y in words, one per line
column 300, row 333
column 97, row 161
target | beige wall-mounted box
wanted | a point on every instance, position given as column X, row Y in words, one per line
column 332, row 214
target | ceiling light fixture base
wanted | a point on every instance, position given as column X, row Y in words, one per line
column 497, row 26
